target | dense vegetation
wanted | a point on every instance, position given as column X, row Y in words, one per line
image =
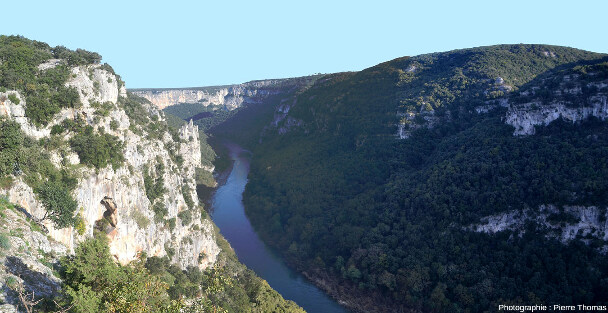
column 22, row 156
column 93, row 282
column 44, row 92
column 97, row 150
column 386, row 218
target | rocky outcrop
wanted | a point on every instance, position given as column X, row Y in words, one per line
column 282, row 122
column 94, row 84
column 110, row 213
column 118, row 195
column 524, row 117
column 571, row 97
column 25, row 259
column 228, row 97
column 567, row 224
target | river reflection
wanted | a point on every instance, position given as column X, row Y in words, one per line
column 229, row 215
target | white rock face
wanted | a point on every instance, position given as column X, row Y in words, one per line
column 591, row 220
column 407, row 125
column 49, row 64
column 194, row 244
column 524, row 117
column 94, row 84
column 229, row 97
column 567, row 101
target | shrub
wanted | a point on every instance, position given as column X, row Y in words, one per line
column 185, row 216
column 5, row 242
column 157, row 265
column 187, row 196
column 97, row 150
column 160, row 211
column 170, row 251
column 11, row 140
column 171, row 223
column 14, row 98
column 79, row 224
column 155, row 187
column 57, row 129
column 58, row 203
column 78, row 57
column 140, row 219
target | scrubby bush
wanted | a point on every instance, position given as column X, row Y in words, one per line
column 14, row 98
column 140, row 219
column 97, row 150
column 185, row 216
column 57, row 129
column 93, row 282
column 170, row 223
column 160, row 211
column 5, row 242
column 11, row 141
column 80, row 224
column 186, row 193
column 155, row 186
column 58, row 204
column 169, row 250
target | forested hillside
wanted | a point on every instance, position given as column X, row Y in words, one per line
column 376, row 180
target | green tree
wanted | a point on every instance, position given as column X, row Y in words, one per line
column 97, row 150
column 94, row 283
column 11, row 140
column 58, row 203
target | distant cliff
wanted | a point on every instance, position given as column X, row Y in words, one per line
column 574, row 95
column 229, row 97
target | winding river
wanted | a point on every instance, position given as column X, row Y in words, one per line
column 229, row 215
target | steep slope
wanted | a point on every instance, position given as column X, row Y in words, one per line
column 81, row 158
column 79, row 133
column 373, row 182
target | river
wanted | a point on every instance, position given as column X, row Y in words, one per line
column 229, row 215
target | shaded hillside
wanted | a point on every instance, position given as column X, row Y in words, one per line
column 372, row 180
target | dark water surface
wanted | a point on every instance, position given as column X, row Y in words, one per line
column 229, row 215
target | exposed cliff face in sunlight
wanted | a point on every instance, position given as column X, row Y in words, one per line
column 228, row 97
column 135, row 230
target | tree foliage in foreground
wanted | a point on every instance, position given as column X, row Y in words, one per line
column 93, row 282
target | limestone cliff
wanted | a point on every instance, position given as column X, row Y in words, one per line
column 134, row 229
column 228, row 97
column 575, row 97
column 565, row 224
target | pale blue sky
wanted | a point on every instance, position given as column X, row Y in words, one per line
column 199, row 43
